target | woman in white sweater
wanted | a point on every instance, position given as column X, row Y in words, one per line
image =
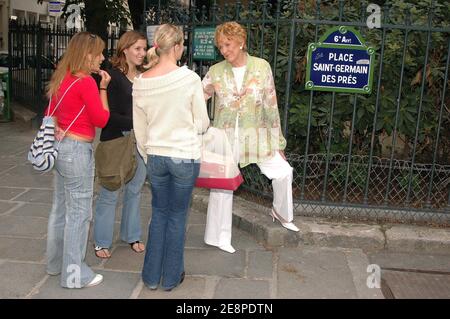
column 169, row 116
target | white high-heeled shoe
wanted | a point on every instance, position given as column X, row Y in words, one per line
column 228, row 248
column 289, row 226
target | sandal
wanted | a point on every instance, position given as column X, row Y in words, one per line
column 137, row 250
column 102, row 253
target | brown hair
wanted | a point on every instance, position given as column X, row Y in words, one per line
column 75, row 59
column 231, row 30
column 166, row 37
column 127, row 39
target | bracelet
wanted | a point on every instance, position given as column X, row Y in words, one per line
column 103, row 89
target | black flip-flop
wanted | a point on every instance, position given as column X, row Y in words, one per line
column 134, row 243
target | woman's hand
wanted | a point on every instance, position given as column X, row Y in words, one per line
column 106, row 78
column 59, row 133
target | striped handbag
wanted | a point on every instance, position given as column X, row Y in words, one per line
column 43, row 151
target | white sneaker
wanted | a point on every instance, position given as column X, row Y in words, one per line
column 94, row 282
column 228, row 249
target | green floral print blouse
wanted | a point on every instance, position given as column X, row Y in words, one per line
column 256, row 106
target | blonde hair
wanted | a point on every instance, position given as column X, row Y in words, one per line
column 75, row 59
column 231, row 30
column 127, row 39
column 166, row 37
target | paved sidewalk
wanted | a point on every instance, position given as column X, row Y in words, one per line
column 259, row 269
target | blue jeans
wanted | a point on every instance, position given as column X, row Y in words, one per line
column 105, row 210
column 68, row 223
column 172, row 182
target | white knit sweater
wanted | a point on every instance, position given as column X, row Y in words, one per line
column 169, row 114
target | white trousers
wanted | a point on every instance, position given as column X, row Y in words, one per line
column 220, row 206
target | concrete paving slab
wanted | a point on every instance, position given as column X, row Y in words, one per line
column 125, row 259
column 410, row 285
column 367, row 237
column 415, row 238
column 10, row 147
column 241, row 240
column 358, row 264
column 214, row 262
column 22, row 249
column 43, row 196
column 195, row 237
column 10, row 160
column 7, row 206
column 197, row 218
column 26, row 176
column 293, row 272
column 413, row 261
column 242, row 289
column 260, row 265
column 23, row 226
column 6, row 193
column 314, row 272
column 193, row 287
column 115, row 285
column 4, row 168
column 33, row 210
column 18, row 279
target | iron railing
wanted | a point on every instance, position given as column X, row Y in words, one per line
column 385, row 155
column 35, row 51
column 343, row 165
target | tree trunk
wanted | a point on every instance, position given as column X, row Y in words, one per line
column 137, row 11
column 96, row 19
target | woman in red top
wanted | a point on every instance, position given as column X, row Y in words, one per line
column 79, row 110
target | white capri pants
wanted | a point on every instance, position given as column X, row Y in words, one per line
column 220, row 206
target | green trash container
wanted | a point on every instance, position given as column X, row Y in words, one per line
column 5, row 102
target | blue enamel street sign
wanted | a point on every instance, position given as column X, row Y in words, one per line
column 340, row 62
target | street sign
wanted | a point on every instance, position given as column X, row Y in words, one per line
column 203, row 45
column 340, row 62
column 54, row 7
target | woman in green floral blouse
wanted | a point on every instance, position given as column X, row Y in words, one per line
column 246, row 108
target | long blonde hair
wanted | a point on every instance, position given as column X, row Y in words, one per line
column 75, row 58
column 127, row 39
column 166, row 37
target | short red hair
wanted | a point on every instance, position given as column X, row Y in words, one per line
column 231, row 30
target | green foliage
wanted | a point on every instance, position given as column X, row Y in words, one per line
column 398, row 106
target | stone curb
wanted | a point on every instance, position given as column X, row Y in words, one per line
column 254, row 219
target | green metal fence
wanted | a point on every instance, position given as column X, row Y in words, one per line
column 382, row 156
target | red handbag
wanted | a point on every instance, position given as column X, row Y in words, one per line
column 218, row 168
